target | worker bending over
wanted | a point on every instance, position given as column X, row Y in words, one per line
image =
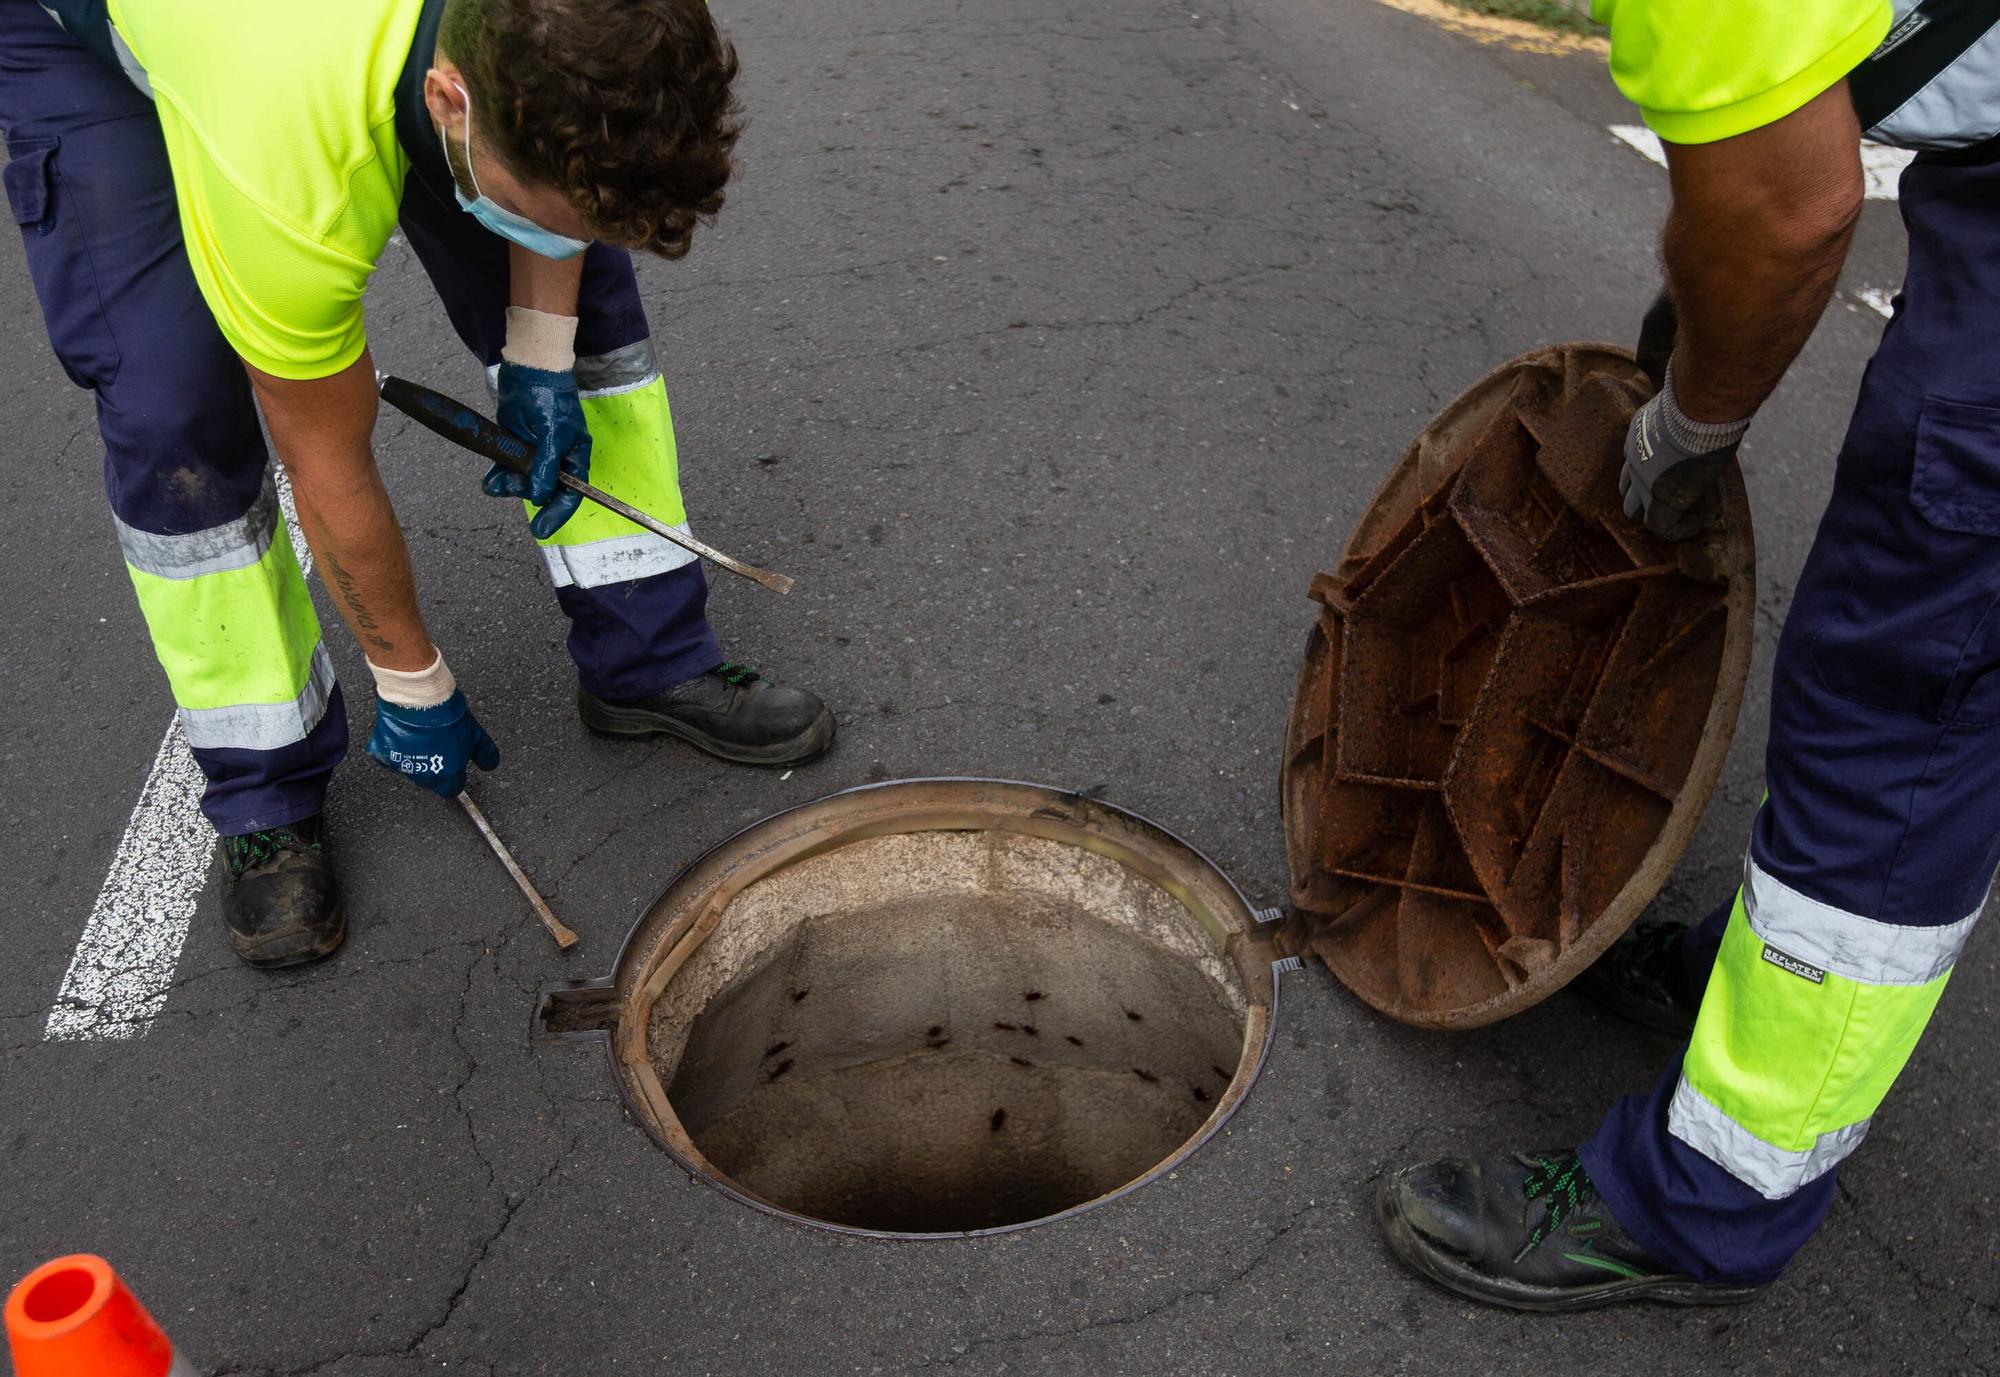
column 203, row 189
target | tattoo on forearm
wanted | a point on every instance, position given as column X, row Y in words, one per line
column 364, row 623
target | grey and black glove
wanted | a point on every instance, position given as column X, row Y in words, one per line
column 1672, row 463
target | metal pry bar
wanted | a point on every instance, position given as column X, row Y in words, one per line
column 564, row 937
column 460, row 423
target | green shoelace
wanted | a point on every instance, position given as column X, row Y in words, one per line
column 1565, row 1185
column 258, row 848
column 735, row 675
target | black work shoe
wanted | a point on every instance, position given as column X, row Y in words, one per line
column 1644, row 977
column 282, row 905
column 731, row 712
column 1526, row 1230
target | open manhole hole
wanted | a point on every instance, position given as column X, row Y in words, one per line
column 936, row 1007
column 944, row 1007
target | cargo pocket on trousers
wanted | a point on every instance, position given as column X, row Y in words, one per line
column 1955, row 486
column 59, row 262
column 1917, row 629
column 1956, row 482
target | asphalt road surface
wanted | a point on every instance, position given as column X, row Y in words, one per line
column 1052, row 348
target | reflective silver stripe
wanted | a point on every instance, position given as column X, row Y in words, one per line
column 134, row 73
column 264, row 726
column 1957, row 108
column 624, row 369
column 615, row 560
column 234, row 544
column 181, row 1367
column 1863, row 949
column 1773, row 1172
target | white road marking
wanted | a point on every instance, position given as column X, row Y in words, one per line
column 1881, row 166
column 123, row 968
column 1877, row 300
column 1642, row 139
column 124, row 962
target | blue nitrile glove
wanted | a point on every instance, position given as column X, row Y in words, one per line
column 543, row 408
column 432, row 746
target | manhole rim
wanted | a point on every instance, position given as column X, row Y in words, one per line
column 653, row 938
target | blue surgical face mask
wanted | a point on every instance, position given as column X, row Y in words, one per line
column 517, row 228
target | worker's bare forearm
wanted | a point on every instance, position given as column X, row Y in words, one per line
column 361, row 555
column 1746, row 310
column 321, row 429
column 1753, row 247
column 543, row 284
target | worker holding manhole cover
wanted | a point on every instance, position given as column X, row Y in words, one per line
column 204, row 189
column 1875, row 849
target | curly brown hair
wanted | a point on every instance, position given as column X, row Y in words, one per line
column 623, row 105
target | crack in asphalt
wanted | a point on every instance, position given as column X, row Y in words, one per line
column 475, row 1264
column 511, row 1204
column 585, row 857
column 471, row 1066
column 1920, row 1279
column 1210, row 1292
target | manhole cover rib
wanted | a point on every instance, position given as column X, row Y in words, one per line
column 1514, row 705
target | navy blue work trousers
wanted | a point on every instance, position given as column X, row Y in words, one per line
column 1883, row 763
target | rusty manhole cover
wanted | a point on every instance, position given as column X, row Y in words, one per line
column 1514, row 705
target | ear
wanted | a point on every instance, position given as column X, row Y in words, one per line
column 441, row 93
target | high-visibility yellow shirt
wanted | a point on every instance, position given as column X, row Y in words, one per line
column 1702, row 70
column 280, row 124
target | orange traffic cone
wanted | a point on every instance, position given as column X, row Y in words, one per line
column 74, row 1318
